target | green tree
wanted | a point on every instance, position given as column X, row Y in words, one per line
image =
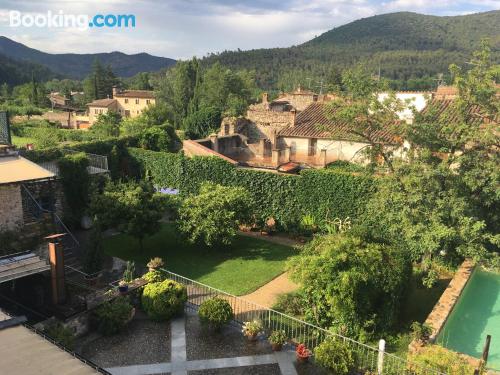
column 201, row 123
column 5, row 91
column 441, row 203
column 107, row 125
column 75, row 181
column 158, row 138
column 214, row 215
column 133, row 208
column 351, row 285
column 360, row 107
column 99, row 83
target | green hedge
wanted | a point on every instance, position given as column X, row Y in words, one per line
column 114, row 148
column 324, row 193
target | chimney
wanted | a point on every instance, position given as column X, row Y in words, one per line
column 293, row 111
column 56, row 259
column 265, row 98
column 115, row 91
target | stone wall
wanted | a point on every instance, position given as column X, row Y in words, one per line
column 11, row 208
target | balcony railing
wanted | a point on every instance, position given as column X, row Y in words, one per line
column 97, row 163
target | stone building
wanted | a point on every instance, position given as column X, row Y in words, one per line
column 298, row 128
column 15, row 173
column 128, row 103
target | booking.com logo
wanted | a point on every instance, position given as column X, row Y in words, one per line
column 62, row 20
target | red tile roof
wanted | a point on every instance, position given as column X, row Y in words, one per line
column 444, row 109
column 314, row 122
column 102, row 103
column 142, row 94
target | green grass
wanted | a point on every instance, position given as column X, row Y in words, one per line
column 22, row 141
column 237, row 269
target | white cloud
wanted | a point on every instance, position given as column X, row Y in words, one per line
column 183, row 28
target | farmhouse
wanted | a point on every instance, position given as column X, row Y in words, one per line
column 128, row 103
column 295, row 128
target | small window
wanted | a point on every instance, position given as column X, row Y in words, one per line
column 95, row 111
column 148, row 101
column 136, row 101
column 126, row 100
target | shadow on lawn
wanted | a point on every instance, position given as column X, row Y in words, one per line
column 195, row 260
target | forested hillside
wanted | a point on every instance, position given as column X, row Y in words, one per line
column 79, row 65
column 407, row 47
column 17, row 72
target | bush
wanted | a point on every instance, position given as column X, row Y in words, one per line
column 278, row 338
column 334, row 355
column 440, row 359
column 291, row 304
column 75, row 181
column 215, row 214
column 155, row 276
column 420, row 332
column 215, row 313
column 162, row 300
column 111, row 317
column 61, row 334
column 324, row 194
column 352, row 285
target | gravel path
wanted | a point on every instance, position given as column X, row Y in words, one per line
column 267, row 295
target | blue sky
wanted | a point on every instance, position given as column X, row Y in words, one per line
column 185, row 28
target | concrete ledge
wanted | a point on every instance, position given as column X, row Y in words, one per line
column 443, row 308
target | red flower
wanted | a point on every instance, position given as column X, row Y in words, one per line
column 302, row 351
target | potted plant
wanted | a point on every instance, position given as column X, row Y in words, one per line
column 302, row 353
column 277, row 340
column 123, row 287
column 252, row 329
column 155, row 263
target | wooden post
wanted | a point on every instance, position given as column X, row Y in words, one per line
column 56, row 259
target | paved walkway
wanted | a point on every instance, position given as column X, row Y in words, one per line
column 267, row 295
column 179, row 364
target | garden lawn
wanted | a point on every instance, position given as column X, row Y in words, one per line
column 22, row 141
column 237, row 269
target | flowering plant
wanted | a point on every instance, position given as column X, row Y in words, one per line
column 302, row 351
column 155, row 263
column 252, row 328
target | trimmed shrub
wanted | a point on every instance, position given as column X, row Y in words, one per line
column 155, row 276
column 215, row 313
column 335, row 356
column 324, row 194
column 163, row 300
column 111, row 317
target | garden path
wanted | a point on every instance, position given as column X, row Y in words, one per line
column 180, row 365
column 267, row 295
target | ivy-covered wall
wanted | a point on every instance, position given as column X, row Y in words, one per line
column 325, row 194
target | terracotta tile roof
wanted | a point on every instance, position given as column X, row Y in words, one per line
column 142, row 94
column 102, row 103
column 313, row 123
column 444, row 109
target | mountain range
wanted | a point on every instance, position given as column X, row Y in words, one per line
column 77, row 66
column 400, row 46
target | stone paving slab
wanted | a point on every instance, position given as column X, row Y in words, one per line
column 271, row 369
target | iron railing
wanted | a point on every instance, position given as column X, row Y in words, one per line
column 369, row 359
column 97, row 163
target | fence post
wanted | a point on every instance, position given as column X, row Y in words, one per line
column 381, row 352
